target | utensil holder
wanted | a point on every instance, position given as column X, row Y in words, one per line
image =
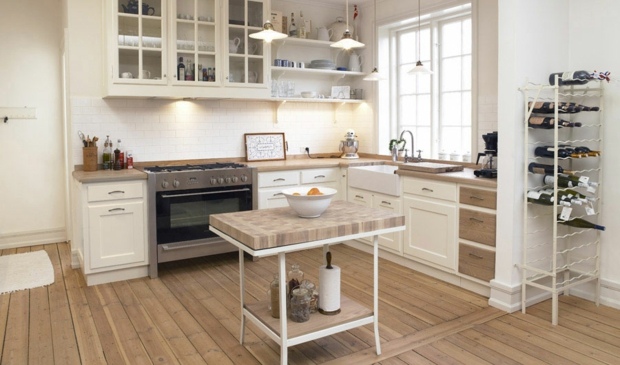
column 90, row 158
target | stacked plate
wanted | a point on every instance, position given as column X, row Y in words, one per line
column 322, row 65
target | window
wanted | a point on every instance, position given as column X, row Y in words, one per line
column 435, row 108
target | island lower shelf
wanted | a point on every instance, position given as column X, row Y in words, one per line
column 350, row 312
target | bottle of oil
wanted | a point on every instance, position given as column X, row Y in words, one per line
column 107, row 154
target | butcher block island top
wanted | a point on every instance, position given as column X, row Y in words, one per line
column 278, row 227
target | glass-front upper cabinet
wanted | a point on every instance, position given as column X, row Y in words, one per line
column 246, row 64
column 196, row 37
column 141, row 46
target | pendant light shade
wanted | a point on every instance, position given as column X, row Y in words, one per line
column 374, row 76
column 347, row 42
column 268, row 33
column 419, row 68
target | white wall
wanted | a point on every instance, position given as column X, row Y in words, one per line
column 593, row 26
column 534, row 44
column 32, row 183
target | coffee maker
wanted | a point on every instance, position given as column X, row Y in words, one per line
column 489, row 162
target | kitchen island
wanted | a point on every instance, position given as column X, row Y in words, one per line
column 278, row 231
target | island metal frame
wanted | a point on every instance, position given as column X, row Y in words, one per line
column 287, row 334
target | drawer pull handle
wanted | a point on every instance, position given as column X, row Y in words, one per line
column 116, row 210
column 475, row 197
column 386, row 203
column 116, row 192
column 476, row 220
column 475, row 256
column 359, row 197
column 320, row 177
column 279, row 179
column 427, row 189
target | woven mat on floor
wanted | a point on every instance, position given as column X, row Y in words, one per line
column 25, row 271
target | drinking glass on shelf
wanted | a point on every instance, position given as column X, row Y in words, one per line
column 282, row 89
column 291, row 89
column 274, row 88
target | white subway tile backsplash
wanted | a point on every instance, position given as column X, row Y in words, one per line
column 170, row 130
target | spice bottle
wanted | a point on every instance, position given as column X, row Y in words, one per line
column 274, row 296
column 121, row 155
column 107, row 154
column 117, row 158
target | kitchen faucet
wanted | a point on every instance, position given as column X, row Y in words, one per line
column 412, row 149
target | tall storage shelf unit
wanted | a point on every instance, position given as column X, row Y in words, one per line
column 557, row 257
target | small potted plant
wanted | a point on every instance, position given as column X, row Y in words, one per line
column 400, row 145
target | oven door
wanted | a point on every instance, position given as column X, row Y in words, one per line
column 184, row 215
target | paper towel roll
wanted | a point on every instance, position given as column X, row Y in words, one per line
column 329, row 290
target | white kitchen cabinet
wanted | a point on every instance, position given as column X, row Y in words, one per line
column 144, row 49
column 430, row 217
column 390, row 241
column 271, row 184
column 113, row 232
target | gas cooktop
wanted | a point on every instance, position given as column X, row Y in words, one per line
column 201, row 167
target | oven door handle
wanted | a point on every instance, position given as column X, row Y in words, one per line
column 204, row 193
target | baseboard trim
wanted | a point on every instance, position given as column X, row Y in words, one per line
column 33, row 238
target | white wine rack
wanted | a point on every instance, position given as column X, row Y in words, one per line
column 556, row 257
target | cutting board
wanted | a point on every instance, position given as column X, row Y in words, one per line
column 431, row 167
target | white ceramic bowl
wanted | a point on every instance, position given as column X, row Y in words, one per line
column 309, row 206
column 308, row 94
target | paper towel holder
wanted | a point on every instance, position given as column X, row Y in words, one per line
column 323, row 291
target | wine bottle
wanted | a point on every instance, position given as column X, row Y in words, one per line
column 538, row 197
column 569, row 181
column 539, row 168
column 569, row 194
column 180, row 70
column 302, row 32
column 586, row 151
column 541, row 122
column 549, row 151
column 107, row 154
column 580, row 223
column 292, row 29
column 571, row 78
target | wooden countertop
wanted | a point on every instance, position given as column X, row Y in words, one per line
column 108, row 175
column 464, row 177
column 277, row 227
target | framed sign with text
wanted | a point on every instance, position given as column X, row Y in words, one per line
column 265, row 146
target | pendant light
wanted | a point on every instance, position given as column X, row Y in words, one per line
column 419, row 68
column 268, row 33
column 347, row 42
column 374, row 75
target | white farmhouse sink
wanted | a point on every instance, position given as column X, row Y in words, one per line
column 377, row 178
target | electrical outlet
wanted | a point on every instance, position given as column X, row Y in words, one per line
column 302, row 150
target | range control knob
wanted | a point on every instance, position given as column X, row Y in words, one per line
column 220, row 180
column 235, row 179
column 228, row 180
column 213, row 181
column 244, row 178
column 176, row 183
column 164, row 184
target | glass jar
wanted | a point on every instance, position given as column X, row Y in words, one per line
column 295, row 277
column 273, row 295
column 313, row 294
column 300, row 305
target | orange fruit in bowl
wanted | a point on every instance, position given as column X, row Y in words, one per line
column 314, row 191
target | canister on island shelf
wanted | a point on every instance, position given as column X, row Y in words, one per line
column 300, row 305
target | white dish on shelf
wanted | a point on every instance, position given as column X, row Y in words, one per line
column 308, row 94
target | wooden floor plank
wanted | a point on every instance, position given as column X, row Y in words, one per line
column 16, row 331
column 153, row 342
column 191, row 315
column 588, row 346
column 196, row 334
column 126, row 335
column 88, row 340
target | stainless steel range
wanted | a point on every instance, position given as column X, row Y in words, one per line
column 181, row 198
